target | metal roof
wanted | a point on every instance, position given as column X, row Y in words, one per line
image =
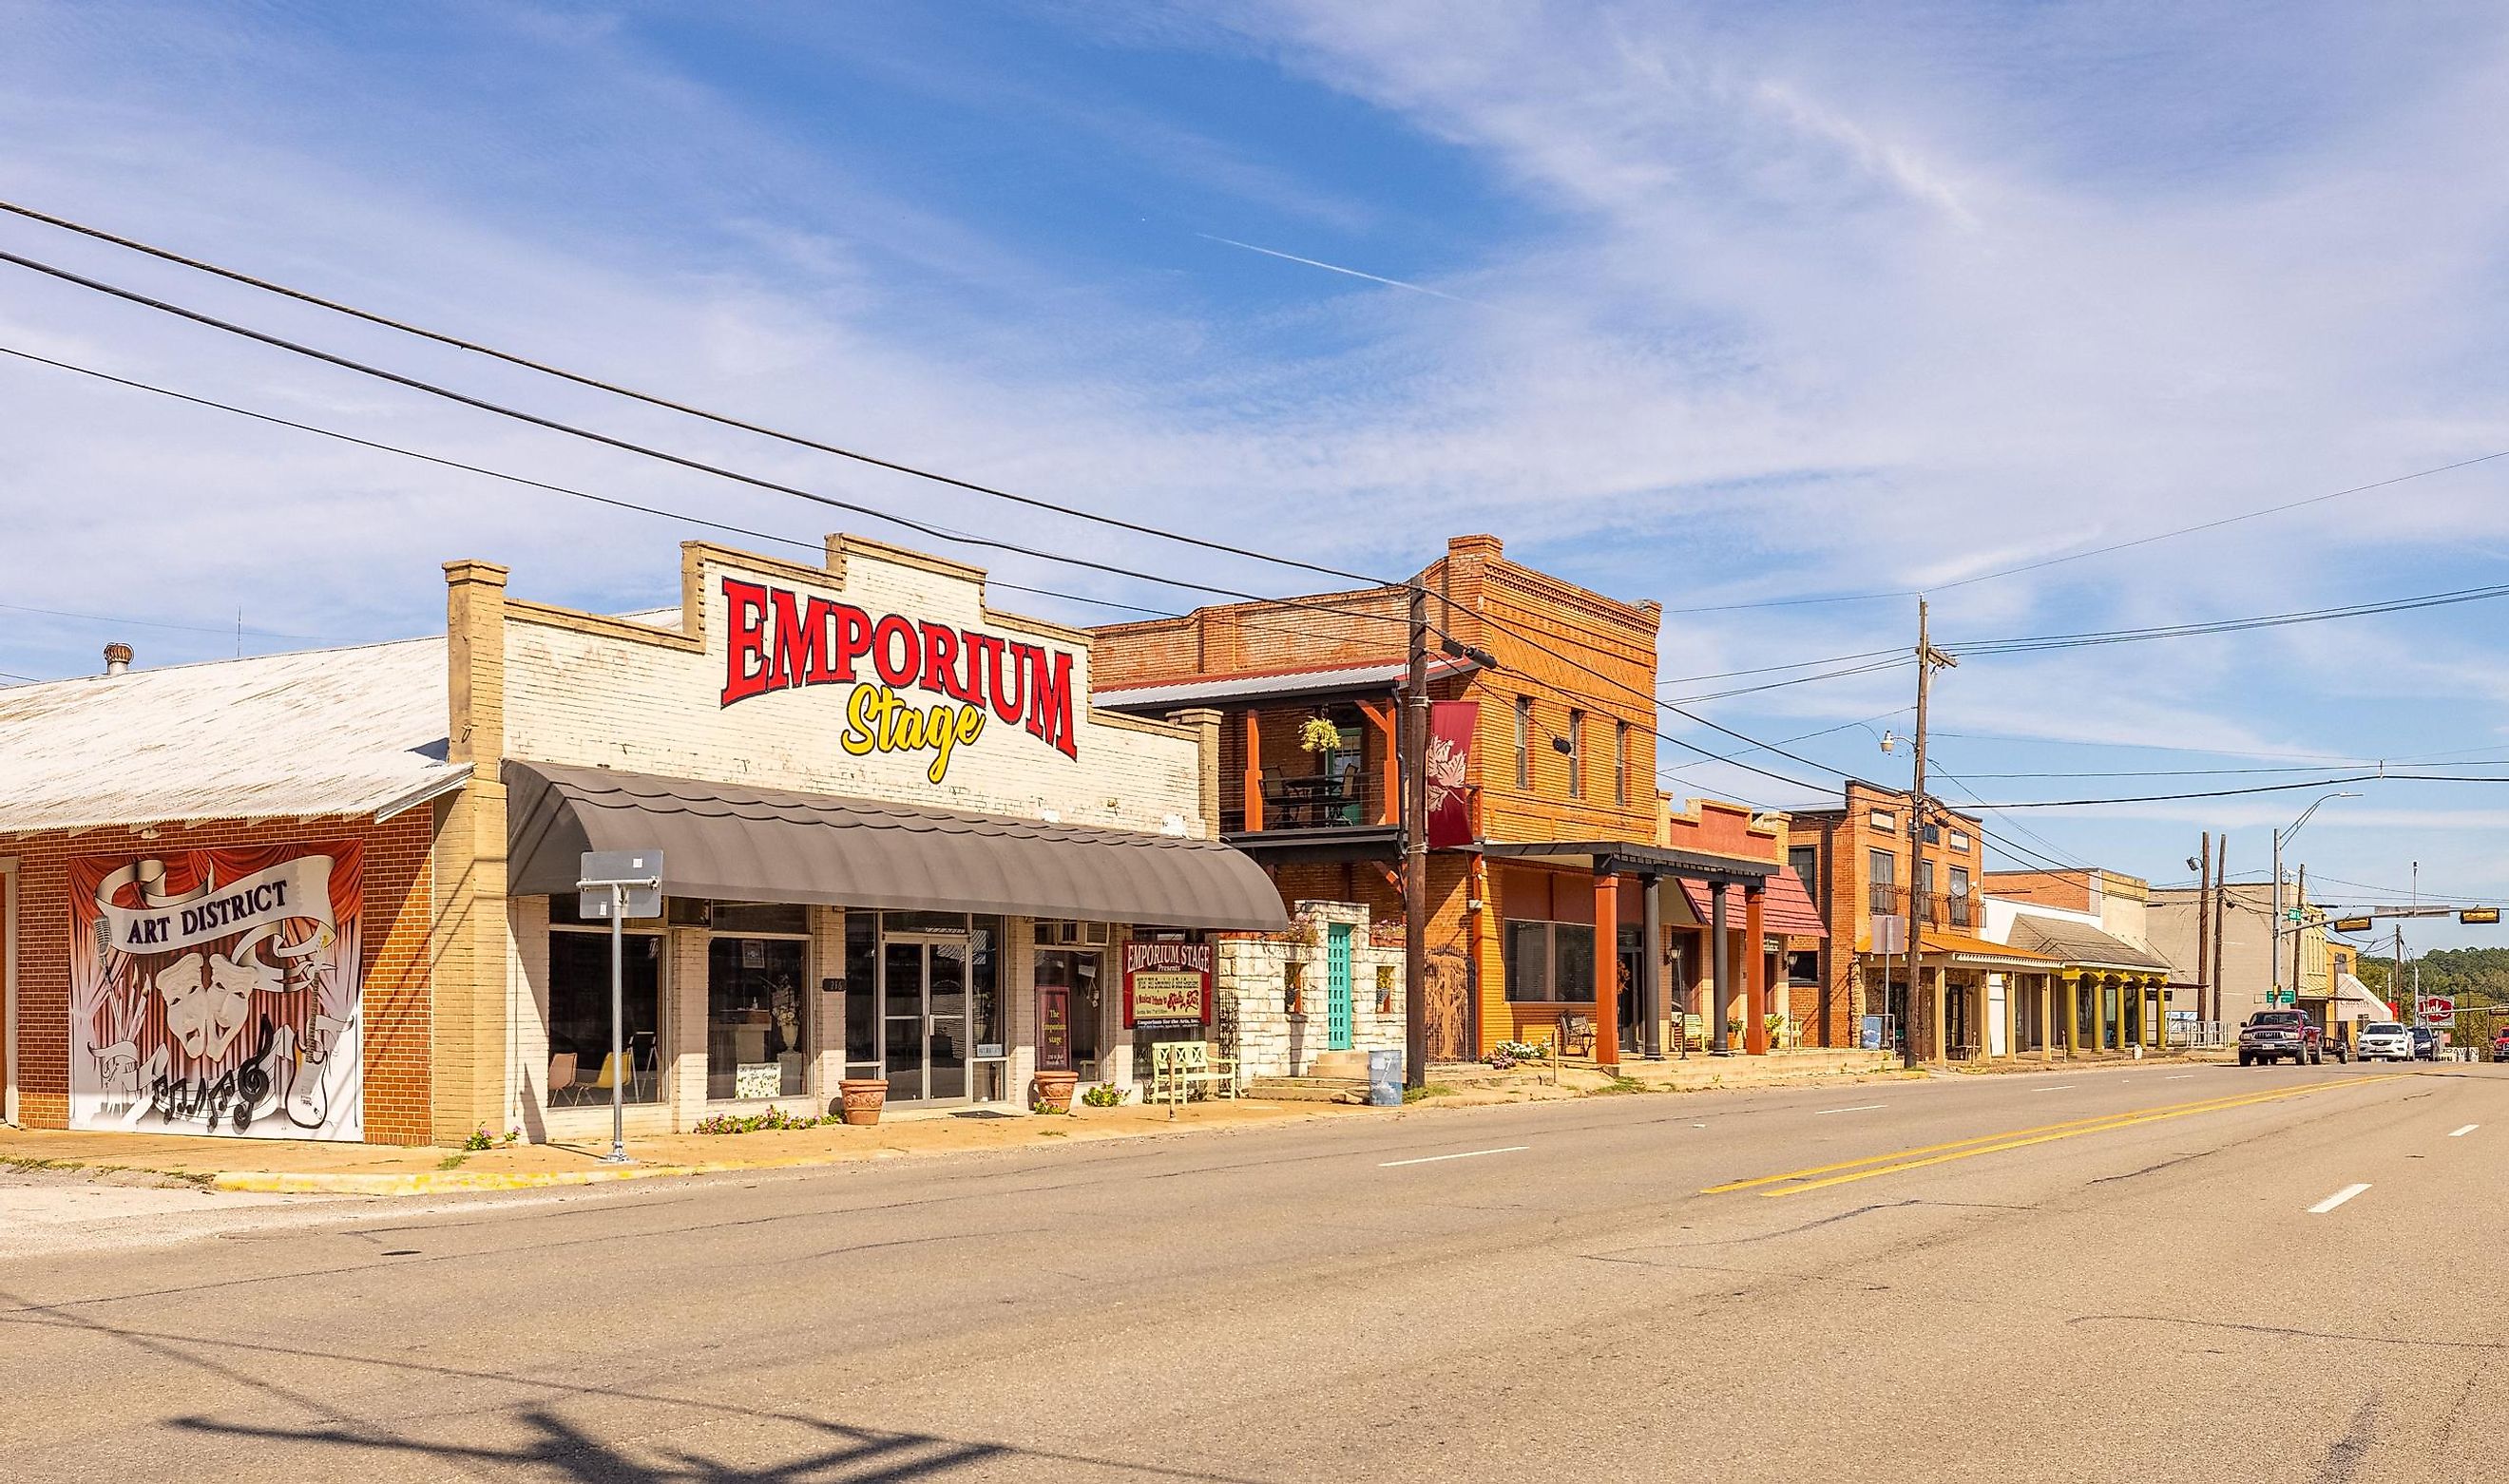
column 1202, row 690
column 356, row 730
column 2079, row 943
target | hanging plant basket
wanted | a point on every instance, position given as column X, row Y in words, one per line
column 1319, row 735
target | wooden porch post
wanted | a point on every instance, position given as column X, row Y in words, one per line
column 1607, row 969
column 1254, row 798
column 1942, row 1043
column 1755, row 959
column 1390, row 791
column 2046, row 1024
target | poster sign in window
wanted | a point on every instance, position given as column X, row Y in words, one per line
column 1053, row 1030
column 217, row 992
column 1167, row 984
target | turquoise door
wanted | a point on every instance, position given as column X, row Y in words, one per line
column 1337, row 986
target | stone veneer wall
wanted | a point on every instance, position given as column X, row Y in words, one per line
column 1272, row 1042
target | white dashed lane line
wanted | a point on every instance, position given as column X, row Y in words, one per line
column 2462, row 1133
column 1469, row 1153
column 1861, row 1107
column 2337, row 1198
column 2058, row 1088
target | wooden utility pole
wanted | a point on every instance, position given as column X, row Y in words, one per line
column 2203, row 928
column 1928, row 659
column 2221, row 910
column 1415, row 847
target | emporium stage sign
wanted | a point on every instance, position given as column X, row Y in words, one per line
column 1167, row 984
column 918, row 685
column 216, row 991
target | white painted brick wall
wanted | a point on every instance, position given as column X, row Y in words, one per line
column 575, row 697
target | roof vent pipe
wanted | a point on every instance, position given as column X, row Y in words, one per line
column 117, row 659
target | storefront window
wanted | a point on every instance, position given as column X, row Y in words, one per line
column 756, row 1023
column 1550, row 961
column 580, row 1069
column 862, row 995
column 988, row 1025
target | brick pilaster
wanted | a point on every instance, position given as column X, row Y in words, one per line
column 472, row 940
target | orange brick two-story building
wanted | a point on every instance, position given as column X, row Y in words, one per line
column 1537, row 923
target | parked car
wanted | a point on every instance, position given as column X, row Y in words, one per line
column 2386, row 1041
column 2426, row 1044
column 2270, row 1035
column 2500, row 1046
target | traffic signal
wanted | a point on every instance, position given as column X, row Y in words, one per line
column 2479, row 916
column 2361, row 925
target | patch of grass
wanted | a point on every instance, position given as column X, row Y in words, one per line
column 454, row 1161
column 1427, row 1090
column 1054, row 1133
column 1618, row 1085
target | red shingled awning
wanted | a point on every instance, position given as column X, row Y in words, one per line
column 1785, row 912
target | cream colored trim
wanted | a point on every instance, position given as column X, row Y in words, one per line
column 601, row 625
column 1126, row 723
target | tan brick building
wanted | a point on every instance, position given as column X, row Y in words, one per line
column 332, row 894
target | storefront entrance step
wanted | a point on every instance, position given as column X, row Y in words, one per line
column 1309, row 1089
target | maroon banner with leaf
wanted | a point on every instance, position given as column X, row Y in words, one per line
column 1451, row 760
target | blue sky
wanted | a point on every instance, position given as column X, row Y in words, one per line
column 1715, row 305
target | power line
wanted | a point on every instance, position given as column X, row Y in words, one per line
column 937, row 532
column 1803, row 737
column 813, row 546
column 146, row 623
column 650, row 398
column 2261, row 788
column 2115, row 546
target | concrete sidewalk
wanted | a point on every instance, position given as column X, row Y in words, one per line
column 298, row 1167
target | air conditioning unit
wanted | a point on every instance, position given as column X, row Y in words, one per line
column 1056, row 933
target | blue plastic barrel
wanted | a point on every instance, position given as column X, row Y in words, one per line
column 1385, row 1079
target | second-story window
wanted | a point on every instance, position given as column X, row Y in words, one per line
column 1621, row 764
column 1576, row 755
column 1882, row 875
column 1524, row 742
column 1804, row 862
column 1959, row 903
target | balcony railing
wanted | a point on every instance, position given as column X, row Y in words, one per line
column 1937, row 910
column 1347, row 800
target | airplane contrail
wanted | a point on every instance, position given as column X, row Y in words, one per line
column 1292, row 257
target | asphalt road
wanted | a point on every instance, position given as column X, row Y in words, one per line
column 2095, row 1275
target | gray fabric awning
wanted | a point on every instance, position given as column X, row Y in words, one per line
column 750, row 845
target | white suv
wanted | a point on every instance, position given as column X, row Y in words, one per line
column 2385, row 1041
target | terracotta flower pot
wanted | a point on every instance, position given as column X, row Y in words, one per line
column 860, row 1098
column 1054, row 1089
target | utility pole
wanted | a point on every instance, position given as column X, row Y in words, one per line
column 2221, row 910
column 1929, row 661
column 1415, row 847
column 2299, row 920
column 2273, row 941
column 2203, row 939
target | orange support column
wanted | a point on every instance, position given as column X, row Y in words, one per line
column 1254, row 799
column 1607, row 970
column 1755, row 944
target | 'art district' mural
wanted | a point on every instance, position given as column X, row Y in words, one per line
column 216, row 991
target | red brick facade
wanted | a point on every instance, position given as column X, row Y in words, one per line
column 397, row 907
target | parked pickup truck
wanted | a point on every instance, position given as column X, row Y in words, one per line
column 2270, row 1035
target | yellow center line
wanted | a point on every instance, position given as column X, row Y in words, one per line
column 1991, row 1143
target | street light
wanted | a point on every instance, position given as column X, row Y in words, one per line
column 2273, row 946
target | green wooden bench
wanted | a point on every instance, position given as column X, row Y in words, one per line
column 1178, row 1068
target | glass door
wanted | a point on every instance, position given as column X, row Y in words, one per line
column 924, row 1013
column 901, row 985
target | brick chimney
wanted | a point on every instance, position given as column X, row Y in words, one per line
column 117, row 659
